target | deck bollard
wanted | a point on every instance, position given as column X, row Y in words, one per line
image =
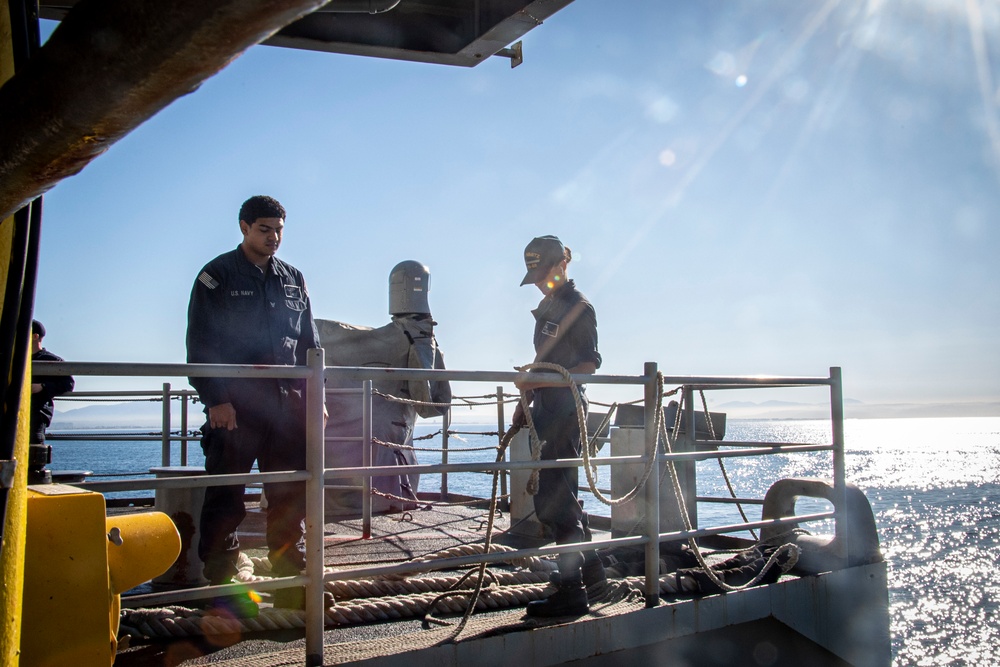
column 183, row 506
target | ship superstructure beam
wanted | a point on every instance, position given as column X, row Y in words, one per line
column 110, row 66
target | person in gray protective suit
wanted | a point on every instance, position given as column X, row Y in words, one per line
column 406, row 342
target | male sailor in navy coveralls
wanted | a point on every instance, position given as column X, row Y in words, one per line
column 249, row 307
column 565, row 334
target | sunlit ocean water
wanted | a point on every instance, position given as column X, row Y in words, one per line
column 934, row 485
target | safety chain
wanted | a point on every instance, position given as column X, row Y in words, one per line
column 434, row 503
column 409, row 401
column 474, row 596
column 112, row 399
column 396, row 445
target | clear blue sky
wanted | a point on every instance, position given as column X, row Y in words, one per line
column 748, row 187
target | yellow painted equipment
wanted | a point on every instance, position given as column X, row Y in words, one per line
column 77, row 564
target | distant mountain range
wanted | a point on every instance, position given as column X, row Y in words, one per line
column 134, row 414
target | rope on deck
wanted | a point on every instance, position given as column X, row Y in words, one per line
column 533, row 563
column 169, row 622
column 369, row 588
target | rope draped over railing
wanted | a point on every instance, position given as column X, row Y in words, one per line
column 664, row 437
column 581, row 417
column 792, row 550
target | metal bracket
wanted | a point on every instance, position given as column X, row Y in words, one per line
column 7, row 470
column 514, row 53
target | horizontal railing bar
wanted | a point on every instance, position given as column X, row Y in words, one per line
column 750, row 443
column 756, row 451
column 361, row 373
column 732, row 501
column 746, row 383
column 170, row 370
column 484, row 466
column 194, row 481
column 138, row 437
column 151, row 394
column 735, row 528
column 170, row 597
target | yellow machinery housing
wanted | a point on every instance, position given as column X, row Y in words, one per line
column 77, row 564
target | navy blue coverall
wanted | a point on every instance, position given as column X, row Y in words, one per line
column 565, row 334
column 240, row 314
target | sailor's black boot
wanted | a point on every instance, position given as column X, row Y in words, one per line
column 570, row 599
column 593, row 571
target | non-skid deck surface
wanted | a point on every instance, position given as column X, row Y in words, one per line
column 395, row 538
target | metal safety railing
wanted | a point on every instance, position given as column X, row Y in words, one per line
column 687, row 450
column 166, row 436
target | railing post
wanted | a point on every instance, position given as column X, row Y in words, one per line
column 165, row 427
column 505, row 504
column 687, row 470
column 184, row 428
column 446, row 423
column 839, row 463
column 652, row 552
column 366, row 459
column 315, row 463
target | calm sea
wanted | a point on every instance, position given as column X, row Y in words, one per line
column 934, row 485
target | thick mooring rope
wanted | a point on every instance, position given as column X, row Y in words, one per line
column 183, row 622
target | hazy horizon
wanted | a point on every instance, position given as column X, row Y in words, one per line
column 149, row 415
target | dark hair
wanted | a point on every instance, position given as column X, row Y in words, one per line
column 261, row 206
column 38, row 328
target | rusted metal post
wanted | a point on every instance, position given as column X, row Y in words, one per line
column 165, row 427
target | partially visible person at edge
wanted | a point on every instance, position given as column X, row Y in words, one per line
column 249, row 307
column 44, row 387
column 565, row 334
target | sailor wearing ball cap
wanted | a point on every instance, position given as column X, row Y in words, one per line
column 565, row 334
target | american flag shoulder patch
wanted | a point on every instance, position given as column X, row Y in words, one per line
column 207, row 280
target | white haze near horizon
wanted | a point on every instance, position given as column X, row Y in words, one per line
column 748, row 187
